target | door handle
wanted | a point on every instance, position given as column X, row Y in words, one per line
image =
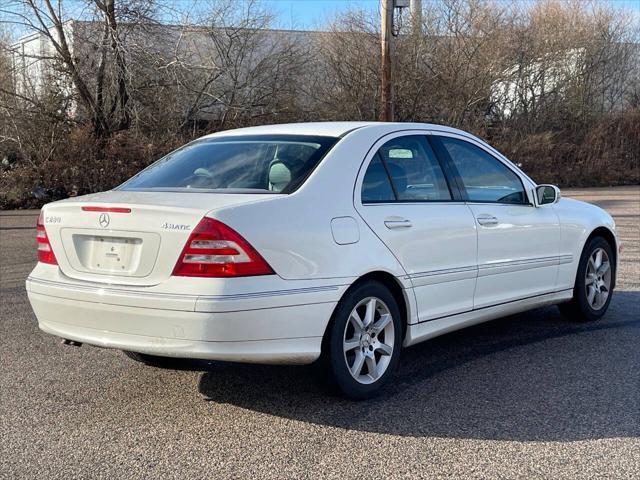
column 400, row 223
column 487, row 220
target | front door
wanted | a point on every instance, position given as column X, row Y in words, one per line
column 407, row 201
column 518, row 243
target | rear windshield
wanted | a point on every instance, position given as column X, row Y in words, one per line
column 242, row 164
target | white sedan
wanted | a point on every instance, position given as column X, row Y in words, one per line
column 335, row 241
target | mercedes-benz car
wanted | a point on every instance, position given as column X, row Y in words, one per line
column 335, row 242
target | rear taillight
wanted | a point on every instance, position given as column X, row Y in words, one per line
column 45, row 252
column 216, row 250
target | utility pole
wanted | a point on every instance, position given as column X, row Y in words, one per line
column 415, row 10
column 388, row 32
column 386, row 41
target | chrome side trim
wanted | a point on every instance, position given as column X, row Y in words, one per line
column 495, row 268
column 565, row 259
column 434, row 277
column 273, row 293
column 445, row 271
column 239, row 296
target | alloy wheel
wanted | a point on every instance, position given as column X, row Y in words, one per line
column 368, row 340
column 598, row 279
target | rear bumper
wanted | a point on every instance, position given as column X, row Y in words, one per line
column 173, row 327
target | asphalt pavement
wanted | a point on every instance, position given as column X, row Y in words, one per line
column 528, row 396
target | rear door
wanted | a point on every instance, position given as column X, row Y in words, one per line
column 518, row 243
column 403, row 195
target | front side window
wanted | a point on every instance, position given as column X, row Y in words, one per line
column 246, row 164
column 485, row 178
column 413, row 169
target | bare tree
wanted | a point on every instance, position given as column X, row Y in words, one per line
column 231, row 69
column 103, row 93
column 345, row 83
column 571, row 60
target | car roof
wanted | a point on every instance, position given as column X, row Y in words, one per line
column 328, row 129
column 341, row 129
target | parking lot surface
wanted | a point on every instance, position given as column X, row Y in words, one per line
column 528, row 396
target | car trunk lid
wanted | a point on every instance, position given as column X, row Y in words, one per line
column 128, row 238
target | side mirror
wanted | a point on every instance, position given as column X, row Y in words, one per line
column 547, row 194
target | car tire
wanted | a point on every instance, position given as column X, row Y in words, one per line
column 593, row 289
column 362, row 349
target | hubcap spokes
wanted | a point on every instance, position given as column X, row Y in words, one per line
column 598, row 279
column 368, row 340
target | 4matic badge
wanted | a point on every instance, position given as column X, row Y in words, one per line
column 175, row 226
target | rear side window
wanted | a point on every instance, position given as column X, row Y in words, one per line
column 246, row 164
column 414, row 169
column 485, row 178
column 376, row 186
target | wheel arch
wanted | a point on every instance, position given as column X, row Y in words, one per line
column 395, row 287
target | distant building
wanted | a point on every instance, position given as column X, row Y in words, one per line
column 158, row 48
column 33, row 59
column 525, row 86
column 150, row 49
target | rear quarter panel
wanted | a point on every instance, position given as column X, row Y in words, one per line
column 294, row 236
column 293, row 232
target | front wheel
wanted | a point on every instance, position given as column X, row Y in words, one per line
column 364, row 340
column 594, row 283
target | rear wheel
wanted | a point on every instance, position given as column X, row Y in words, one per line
column 364, row 340
column 594, row 283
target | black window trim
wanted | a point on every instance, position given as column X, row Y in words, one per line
column 454, row 193
column 456, row 187
column 389, row 177
column 442, row 150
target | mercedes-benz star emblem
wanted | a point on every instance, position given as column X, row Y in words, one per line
column 104, row 220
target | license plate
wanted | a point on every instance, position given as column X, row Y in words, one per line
column 113, row 254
